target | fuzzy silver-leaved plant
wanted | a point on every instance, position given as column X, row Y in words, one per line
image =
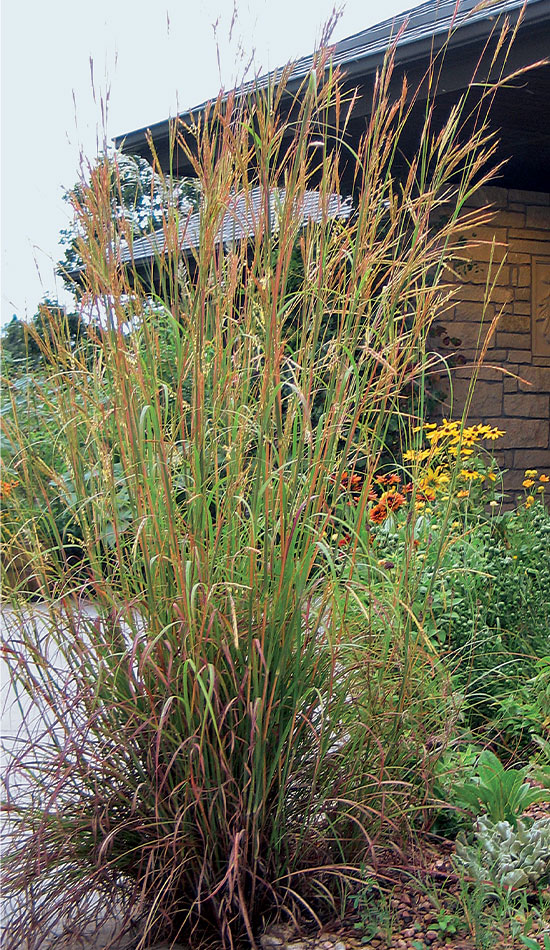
column 511, row 857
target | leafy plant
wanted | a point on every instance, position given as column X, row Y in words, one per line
column 533, row 944
column 511, row 856
column 501, row 792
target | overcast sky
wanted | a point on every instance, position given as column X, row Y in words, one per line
column 149, row 61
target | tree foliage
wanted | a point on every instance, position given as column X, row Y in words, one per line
column 139, row 198
column 24, row 344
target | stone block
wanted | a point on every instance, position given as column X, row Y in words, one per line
column 515, row 257
column 522, row 293
column 486, row 400
column 510, row 219
column 486, row 251
column 528, row 405
column 538, row 216
column 471, row 311
column 532, row 458
column 514, row 478
column 490, row 233
column 524, row 276
column 502, row 294
column 489, row 195
column 523, row 307
column 519, row 341
column 526, row 246
column 489, row 373
column 476, row 292
column 471, row 335
column 519, row 356
column 478, row 272
column 505, row 459
column 523, row 433
column 528, row 234
column 534, row 379
column 529, row 197
column 514, row 323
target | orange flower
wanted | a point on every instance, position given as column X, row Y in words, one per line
column 379, row 513
column 395, row 501
column 6, row 488
column 352, row 483
column 388, row 480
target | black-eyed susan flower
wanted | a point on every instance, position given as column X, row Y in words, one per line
column 434, row 478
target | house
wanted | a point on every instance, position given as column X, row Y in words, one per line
column 517, row 399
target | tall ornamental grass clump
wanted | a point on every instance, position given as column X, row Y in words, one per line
column 242, row 722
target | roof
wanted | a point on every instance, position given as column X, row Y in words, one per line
column 416, row 32
column 243, row 218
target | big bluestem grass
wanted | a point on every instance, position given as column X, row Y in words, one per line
column 249, row 715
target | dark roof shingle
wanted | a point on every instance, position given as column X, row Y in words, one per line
column 415, row 31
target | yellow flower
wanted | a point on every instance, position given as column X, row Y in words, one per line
column 463, row 493
column 470, row 436
column 433, row 478
column 446, row 430
column 491, row 476
column 544, row 478
column 466, row 473
column 495, row 434
column 427, row 426
column 527, row 482
column 465, row 452
column 529, row 501
column 420, row 456
column 531, row 472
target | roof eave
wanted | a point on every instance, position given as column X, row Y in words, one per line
column 407, row 51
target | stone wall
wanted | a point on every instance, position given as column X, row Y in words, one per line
column 515, row 249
